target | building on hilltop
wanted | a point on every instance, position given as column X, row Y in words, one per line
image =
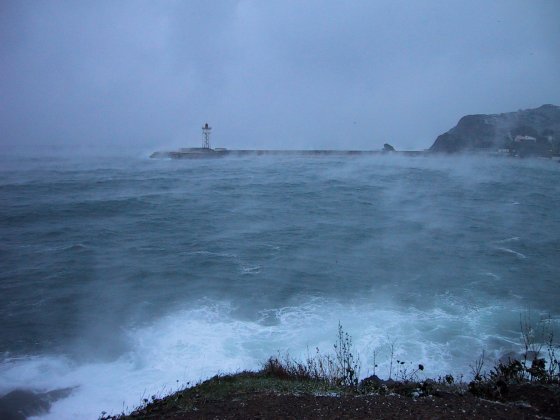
column 521, row 139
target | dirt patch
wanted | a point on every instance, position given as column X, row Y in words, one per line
column 250, row 396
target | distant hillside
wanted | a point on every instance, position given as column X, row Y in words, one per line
column 529, row 131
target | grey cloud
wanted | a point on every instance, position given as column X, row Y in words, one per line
column 140, row 75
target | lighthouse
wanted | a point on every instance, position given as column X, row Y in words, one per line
column 206, row 136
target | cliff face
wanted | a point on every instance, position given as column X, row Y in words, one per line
column 492, row 132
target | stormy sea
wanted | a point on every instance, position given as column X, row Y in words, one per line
column 126, row 277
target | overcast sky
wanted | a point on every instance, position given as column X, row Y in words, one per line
column 146, row 75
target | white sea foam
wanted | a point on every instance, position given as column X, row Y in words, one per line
column 489, row 274
column 213, row 254
column 196, row 343
column 251, row 269
column 511, row 251
column 512, row 239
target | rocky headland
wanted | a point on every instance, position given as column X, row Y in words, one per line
column 528, row 132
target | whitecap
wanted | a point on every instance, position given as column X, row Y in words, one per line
column 511, row 251
column 251, row 269
column 213, row 254
column 512, row 239
column 490, row 274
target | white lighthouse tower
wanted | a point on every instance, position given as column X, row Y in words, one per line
column 206, row 136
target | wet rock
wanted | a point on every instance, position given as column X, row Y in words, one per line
column 21, row 403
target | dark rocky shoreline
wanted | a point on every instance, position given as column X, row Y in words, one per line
column 258, row 395
column 327, row 385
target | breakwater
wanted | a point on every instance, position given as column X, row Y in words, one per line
column 200, row 153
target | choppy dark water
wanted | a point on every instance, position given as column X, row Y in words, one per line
column 120, row 277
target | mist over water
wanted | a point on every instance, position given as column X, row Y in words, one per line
column 123, row 278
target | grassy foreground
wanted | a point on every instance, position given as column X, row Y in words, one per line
column 262, row 395
column 327, row 386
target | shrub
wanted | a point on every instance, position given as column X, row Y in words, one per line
column 341, row 370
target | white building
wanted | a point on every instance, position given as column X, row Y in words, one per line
column 520, row 139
